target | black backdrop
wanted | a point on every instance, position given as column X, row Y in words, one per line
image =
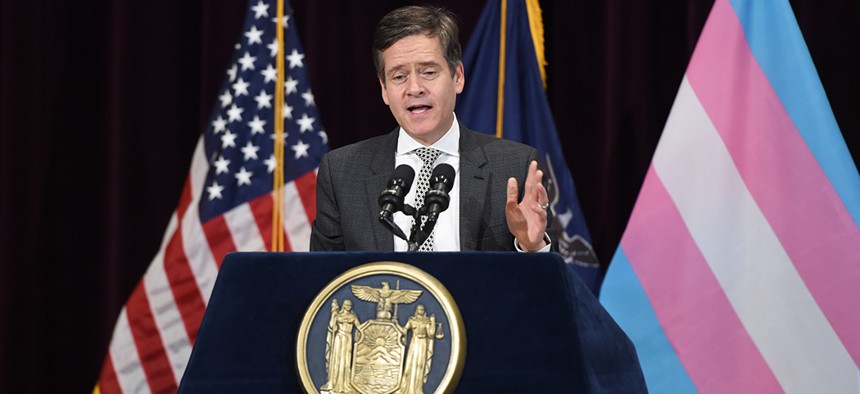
column 101, row 103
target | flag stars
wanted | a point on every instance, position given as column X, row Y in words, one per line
column 301, row 149
column 240, row 87
column 285, row 21
column 305, row 123
column 219, row 125
column 231, row 72
column 270, row 163
column 260, row 10
column 221, row 165
column 257, row 125
column 235, row 113
column 295, row 58
column 273, row 47
column 288, row 111
column 250, row 151
column 263, row 100
column 291, row 85
column 309, row 98
column 215, row 191
column 323, row 136
column 270, row 73
column 272, row 136
column 244, row 176
column 228, row 140
column 225, row 98
column 247, row 61
column 254, row 36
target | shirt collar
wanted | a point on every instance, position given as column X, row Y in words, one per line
column 448, row 144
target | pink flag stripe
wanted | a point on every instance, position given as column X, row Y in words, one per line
column 698, row 319
column 781, row 173
column 147, row 340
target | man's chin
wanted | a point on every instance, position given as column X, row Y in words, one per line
column 423, row 134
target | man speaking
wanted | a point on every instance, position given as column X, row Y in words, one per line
column 418, row 61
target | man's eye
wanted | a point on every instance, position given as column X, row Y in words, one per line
column 398, row 78
column 429, row 73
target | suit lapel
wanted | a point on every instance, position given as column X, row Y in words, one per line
column 381, row 166
column 474, row 179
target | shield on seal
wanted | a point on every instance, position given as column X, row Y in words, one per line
column 378, row 357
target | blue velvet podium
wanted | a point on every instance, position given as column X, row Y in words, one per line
column 531, row 325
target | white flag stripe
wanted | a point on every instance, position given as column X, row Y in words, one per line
column 168, row 319
column 296, row 223
column 243, row 228
column 746, row 257
column 194, row 242
column 197, row 251
column 126, row 362
column 199, row 168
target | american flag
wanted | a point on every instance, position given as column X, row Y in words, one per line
column 226, row 205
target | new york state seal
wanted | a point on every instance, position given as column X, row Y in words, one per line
column 381, row 328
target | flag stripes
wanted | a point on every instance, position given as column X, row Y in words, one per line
column 125, row 367
column 147, row 340
column 709, row 338
column 243, row 228
column 799, row 90
column 793, row 204
column 626, row 299
column 167, row 317
column 741, row 250
column 170, row 289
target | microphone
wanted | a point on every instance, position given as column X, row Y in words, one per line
column 391, row 199
column 436, row 199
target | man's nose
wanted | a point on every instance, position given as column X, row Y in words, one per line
column 415, row 87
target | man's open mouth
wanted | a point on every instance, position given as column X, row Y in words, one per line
column 418, row 109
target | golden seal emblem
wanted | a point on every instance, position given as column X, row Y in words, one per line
column 381, row 328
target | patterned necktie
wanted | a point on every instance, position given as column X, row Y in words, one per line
column 429, row 156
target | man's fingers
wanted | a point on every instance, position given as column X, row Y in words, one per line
column 512, row 191
column 530, row 176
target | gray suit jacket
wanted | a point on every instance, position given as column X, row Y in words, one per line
column 350, row 180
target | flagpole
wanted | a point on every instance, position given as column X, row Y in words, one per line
column 278, row 181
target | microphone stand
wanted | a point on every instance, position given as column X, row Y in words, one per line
column 420, row 232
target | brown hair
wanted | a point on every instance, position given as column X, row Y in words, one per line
column 413, row 20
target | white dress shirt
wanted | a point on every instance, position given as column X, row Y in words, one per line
column 446, row 233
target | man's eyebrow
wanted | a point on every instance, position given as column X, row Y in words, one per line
column 429, row 63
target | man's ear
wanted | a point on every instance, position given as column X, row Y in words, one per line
column 384, row 92
column 459, row 78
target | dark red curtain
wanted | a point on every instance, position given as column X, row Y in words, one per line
column 102, row 102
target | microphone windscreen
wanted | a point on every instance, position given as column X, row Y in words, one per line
column 443, row 173
column 404, row 175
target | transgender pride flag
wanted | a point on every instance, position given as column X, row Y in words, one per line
column 739, row 271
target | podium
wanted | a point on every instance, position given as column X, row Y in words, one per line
column 531, row 325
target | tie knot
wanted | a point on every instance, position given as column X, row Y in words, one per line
column 428, row 155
